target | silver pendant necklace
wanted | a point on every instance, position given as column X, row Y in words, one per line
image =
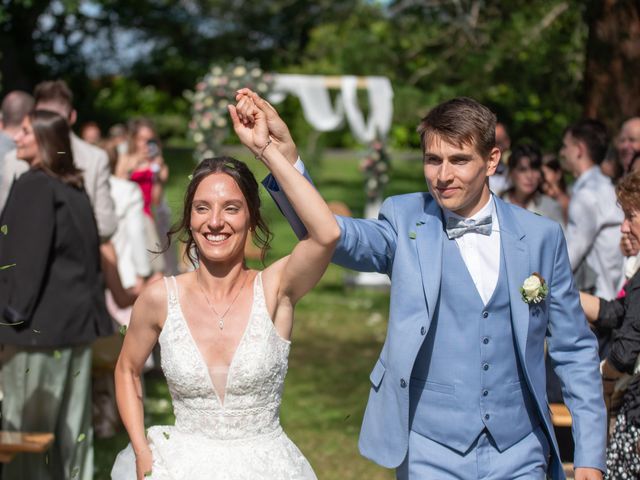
column 220, row 317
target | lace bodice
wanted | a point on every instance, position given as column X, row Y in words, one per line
column 254, row 382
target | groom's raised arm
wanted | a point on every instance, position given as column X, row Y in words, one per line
column 365, row 245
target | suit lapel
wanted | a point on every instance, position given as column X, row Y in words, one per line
column 429, row 238
column 517, row 265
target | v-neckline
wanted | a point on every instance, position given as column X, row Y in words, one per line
column 203, row 363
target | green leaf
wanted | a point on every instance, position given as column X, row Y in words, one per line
column 75, row 472
column 76, row 374
column 412, row 235
column 26, row 371
column 36, row 331
column 4, row 229
column 57, row 354
column 147, row 474
column 123, row 330
column 81, row 437
column 4, row 267
column 166, row 435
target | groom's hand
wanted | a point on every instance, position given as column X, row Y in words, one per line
column 583, row 473
column 278, row 130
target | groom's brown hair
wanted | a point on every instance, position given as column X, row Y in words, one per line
column 460, row 121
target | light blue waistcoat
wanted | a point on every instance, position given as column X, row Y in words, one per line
column 467, row 375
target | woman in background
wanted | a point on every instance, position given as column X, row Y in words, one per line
column 525, row 174
column 51, row 303
column 622, row 317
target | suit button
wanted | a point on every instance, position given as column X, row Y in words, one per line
column 487, row 417
column 485, row 314
column 423, row 330
column 485, row 340
column 403, row 384
column 485, row 367
column 485, row 393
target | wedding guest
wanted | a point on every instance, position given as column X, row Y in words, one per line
column 525, row 175
column 52, row 302
column 15, row 106
column 143, row 164
column 623, row 317
column 593, row 229
column 134, row 271
column 628, row 141
column 224, row 329
column 90, row 133
column 554, row 184
column 499, row 181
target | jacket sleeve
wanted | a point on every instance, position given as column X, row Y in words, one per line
column 30, row 219
column 573, row 351
column 611, row 313
column 103, row 207
column 364, row 245
column 282, row 202
column 625, row 343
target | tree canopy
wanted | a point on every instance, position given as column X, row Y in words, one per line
column 540, row 65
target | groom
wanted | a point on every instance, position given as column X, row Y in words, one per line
column 459, row 388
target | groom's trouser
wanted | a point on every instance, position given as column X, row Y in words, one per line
column 430, row 460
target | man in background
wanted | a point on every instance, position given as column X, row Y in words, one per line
column 15, row 106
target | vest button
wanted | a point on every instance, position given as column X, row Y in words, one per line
column 485, row 366
column 487, row 416
column 403, row 384
column 485, row 340
column 485, row 393
column 423, row 330
column 485, row 314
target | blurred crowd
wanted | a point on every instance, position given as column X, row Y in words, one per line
column 86, row 219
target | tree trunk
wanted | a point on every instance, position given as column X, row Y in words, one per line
column 612, row 77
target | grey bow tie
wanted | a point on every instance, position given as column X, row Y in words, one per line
column 456, row 227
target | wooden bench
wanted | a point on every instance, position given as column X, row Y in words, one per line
column 12, row 443
column 561, row 418
column 560, row 415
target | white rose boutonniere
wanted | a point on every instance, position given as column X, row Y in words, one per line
column 534, row 289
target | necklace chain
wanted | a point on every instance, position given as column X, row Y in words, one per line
column 220, row 317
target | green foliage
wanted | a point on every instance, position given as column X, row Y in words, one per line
column 119, row 99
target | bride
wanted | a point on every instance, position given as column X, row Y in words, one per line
column 224, row 329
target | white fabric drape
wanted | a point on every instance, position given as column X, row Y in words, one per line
column 323, row 116
column 314, row 98
column 380, row 97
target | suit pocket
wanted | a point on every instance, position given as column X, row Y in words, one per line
column 417, row 383
column 377, row 374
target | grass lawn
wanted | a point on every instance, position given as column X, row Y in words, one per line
column 337, row 336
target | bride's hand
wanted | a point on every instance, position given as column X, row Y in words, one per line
column 278, row 130
column 144, row 463
column 250, row 124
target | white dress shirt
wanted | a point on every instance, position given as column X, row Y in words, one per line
column 481, row 253
column 593, row 230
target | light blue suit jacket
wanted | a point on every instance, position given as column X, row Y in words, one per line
column 406, row 243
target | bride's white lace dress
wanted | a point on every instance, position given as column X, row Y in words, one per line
column 239, row 437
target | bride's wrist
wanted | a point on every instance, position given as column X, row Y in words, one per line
column 142, row 450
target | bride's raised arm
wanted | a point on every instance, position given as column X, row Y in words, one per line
column 310, row 257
